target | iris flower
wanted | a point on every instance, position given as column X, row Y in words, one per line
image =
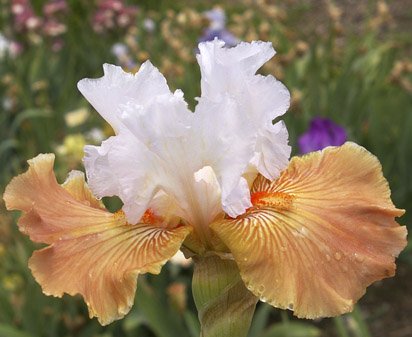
column 217, row 28
column 322, row 132
column 309, row 234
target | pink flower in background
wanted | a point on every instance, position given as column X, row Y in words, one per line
column 54, row 7
column 51, row 25
column 54, row 28
column 24, row 16
column 111, row 14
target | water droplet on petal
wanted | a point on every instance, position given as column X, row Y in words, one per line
column 261, row 288
column 328, row 257
column 338, row 256
column 359, row 257
column 290, row 306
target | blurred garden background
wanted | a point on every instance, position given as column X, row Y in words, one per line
column 345, row 60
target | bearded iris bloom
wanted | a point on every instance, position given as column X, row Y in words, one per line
column 322, row 132
column 217, row 28
column 309, row 234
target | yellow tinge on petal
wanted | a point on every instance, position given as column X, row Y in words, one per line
column 92, row 252
column 319, row 235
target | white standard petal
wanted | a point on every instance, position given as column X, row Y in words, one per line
column 226, row 141
column 156, row 153
column 208, row 193
column 242, row 134
column 238, row 200
column 116, row 88
column 198, row 162
column 272, row 150
column 100, row 176
column 222, row 68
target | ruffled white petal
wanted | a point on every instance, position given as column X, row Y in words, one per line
column 155, row 151
column 227, row 140
column 208, row 193
column 238, row 200
column 222, row 68
column 199, row 161
column 116, row 88
column 100, row 176
column 272, row 150
column 229, row 74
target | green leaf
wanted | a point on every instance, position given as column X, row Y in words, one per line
column 225, row 307
column 292, row 329
column 360, row 327
column 260, row 319
column 163, row 320
column 9, row 331
column 192, row 323
column 132, row 322
column 29, row 114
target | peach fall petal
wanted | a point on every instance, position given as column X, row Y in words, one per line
column 93, row 252
column 319, row 235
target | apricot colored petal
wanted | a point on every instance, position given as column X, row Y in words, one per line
column 103, row 266
column 319, row 235
column 50, row 211
column 93, row 252
column 76, row 185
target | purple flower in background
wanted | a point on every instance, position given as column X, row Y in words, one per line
column 122, row 54
column 224, row 35
column 323, row 132
column 217, row 28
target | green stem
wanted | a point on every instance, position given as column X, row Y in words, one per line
column 340, row 327
column 225, row 307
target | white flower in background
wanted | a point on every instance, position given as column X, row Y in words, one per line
column 7, row 103
column 4, row 46
column 122, row 54
column 95, row 135
column 120, row 50
column 149, row 25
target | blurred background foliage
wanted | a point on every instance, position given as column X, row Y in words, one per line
column 349, row 61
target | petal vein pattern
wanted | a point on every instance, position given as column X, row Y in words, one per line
column 160, row 145
column 319, row 235
column 92, row 252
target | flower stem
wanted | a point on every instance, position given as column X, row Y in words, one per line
column 225, row 307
